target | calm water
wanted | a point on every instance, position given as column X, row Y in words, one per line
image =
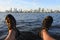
column 29, row 22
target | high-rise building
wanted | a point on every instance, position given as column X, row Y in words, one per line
column 15, row 10
column 10, row 10
column 20, row 10
column 39, row 10
column 42, row 9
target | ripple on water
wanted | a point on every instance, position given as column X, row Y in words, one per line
column 29, row 22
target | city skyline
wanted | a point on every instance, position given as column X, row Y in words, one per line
column 29, row 4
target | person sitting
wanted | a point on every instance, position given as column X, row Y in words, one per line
column 12, row 30
column 45, row 26
column 14, row 33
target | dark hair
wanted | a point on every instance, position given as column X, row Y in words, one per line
column 11, row 18
column 47, row 22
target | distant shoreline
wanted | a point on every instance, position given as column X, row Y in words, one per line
column 29, row 12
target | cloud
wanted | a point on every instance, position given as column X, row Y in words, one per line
column 29, row 4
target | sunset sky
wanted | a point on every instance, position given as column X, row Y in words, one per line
column 29, row 4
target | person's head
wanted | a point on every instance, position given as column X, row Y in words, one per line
column 10, row 21
column 47, row 22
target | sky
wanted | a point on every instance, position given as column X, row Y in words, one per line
column 29, row 4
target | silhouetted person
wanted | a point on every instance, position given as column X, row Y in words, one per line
column 14, row 33
column 45, row 26
column 12, row 30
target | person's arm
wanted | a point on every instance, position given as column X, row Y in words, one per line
column 46, row 36
column 10, row 35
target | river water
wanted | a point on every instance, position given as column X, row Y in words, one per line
column 29, row 22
